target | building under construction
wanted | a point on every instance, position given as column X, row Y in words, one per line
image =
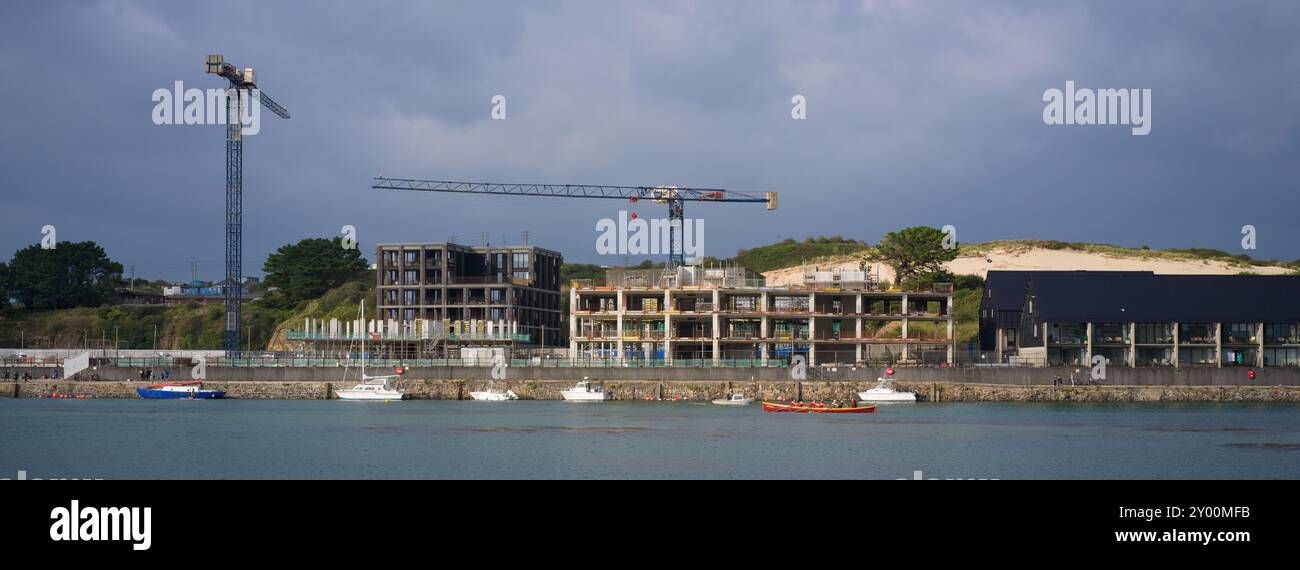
column 444, row 300
column 728, row 315
column 518, row 285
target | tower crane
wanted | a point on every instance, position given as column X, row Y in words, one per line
column 239, row 81
column 674, row 196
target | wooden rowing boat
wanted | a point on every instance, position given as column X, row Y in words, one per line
column 773, row 407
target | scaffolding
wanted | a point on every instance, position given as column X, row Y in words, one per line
column 404, row 340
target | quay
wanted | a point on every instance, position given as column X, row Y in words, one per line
column 703, row 384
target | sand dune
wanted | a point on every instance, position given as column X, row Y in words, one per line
column 1043, row 259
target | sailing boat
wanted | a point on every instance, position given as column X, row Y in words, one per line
column 371, row 387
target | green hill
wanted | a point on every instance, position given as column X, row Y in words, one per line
column 790, row 253
column 178, row 327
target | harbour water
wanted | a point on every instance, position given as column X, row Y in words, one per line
column 296, row 439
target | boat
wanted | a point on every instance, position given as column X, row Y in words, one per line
column 734, row 400
column 885, row 392
column 494, row 396
column 808, row 409
column 192, row 390
column 583, row 391
column 371, row 388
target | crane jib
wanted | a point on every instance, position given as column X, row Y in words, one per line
column 659, row 193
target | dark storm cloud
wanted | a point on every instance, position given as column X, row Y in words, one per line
column 918, row 113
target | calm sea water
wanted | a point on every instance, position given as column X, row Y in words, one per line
column 129, row 439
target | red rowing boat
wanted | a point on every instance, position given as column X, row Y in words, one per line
column 771, row 407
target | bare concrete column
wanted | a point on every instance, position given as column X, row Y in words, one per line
column 1087, row 359
column 717, row 323
column 619, row 323
column 1132, row 345
column 716, row 336
column 763, row 347
column 573, row 322
column 1259, row 353
column 668, row 335
column 812, row 335
column 1176, row 365
column 1218, row 345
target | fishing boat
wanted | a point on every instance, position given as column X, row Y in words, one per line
column 583, row 391
column 734, row 400
column 490, row 395
column 885, row 392
column 192, row 390
column 371, row 388
column 807, row 409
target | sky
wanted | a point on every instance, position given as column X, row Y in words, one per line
column 916, row 113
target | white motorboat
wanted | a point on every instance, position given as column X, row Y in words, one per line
column 585, row 392
column 885, row 392
column 371, row 387
column 494, row 396
column 734, row 400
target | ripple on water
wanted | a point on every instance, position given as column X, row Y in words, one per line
column 1269, row 446
column 558, row 429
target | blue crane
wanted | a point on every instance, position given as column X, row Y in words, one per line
column 674, row 196
column 240, row 81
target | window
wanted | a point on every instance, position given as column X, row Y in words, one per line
column 1284, row 333
column 1155, row 333
column 410, row 277
column 1110, row 333
column 1195, row 333
column 1196, row 356
column 411, row 297
column 1282, row 357
column 1238, row 333
column 1239, row 357
column 411, row 257
column 519, row 264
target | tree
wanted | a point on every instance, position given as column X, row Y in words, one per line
column 68, row 275
column 309, row 268
column 4, row 286
column 912, row 251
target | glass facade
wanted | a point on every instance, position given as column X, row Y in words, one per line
column 1239, row 333
column 1195, row 333
column 1155, row 333
column 1067, row 333
column 1110, row 333
column 1147, row 356
column 1195, row 356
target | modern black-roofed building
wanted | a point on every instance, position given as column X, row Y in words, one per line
column 1001, row 304
column 1143, row 319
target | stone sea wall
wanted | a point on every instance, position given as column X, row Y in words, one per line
column 1115, row 376
column 429, row 389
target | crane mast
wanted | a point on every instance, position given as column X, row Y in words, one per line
column 238, row 81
